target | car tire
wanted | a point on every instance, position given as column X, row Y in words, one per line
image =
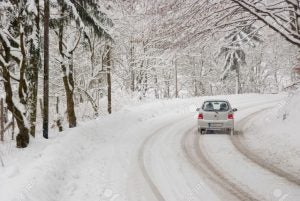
column 202, row 131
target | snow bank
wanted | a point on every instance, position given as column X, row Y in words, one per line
column 275, row 134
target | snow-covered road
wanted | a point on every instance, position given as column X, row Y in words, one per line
column 219, row 168
column 147, row 153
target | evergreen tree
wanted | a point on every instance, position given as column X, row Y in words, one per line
column 234, row 51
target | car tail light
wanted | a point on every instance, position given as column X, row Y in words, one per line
column 200, row 116
column 230, row 116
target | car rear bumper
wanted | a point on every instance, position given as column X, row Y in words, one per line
column 216, row 124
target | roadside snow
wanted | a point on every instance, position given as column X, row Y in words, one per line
column 98, row 160
column 90, row 162
column 274, row 135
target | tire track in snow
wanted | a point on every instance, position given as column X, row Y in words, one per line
column 142, row 165
column 194, row 152
column 237, row 141
column 141, row 155
column 216, row 176
column 144, row 152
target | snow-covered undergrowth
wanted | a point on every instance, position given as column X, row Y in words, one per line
column 278, row 132
column 49, row 169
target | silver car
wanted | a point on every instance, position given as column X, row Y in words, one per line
column 216, row 115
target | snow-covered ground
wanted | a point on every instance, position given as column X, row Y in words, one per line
column 278, row 132
column 139, row 153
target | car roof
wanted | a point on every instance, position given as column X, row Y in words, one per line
column 215, row 100
column 207, row 100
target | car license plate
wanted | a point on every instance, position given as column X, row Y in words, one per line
column 216, row 125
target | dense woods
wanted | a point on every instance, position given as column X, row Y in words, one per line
column 104, row 54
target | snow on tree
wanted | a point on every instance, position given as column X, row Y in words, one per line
column 106, row 52
column 20, row 61
column 282, row 16
column 234, row 53
column 84, row 13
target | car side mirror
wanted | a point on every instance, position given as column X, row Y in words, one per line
column 198, row 109
column 234, row 110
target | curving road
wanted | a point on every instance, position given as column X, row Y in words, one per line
column 152, row 153
column 178, row 164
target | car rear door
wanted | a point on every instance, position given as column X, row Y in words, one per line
column 210, row 115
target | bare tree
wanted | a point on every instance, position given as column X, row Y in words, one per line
column 282, row 16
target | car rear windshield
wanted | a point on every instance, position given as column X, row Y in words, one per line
column 218, row 106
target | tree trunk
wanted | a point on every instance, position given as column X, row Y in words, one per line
column 69, row 89
column 168, row 86
column 68, row 79
column 109, row 90
column 156, row 86
column 23, row 135
column 108, row 76
column 70, row 98
column 176, row 78
column 13, row 128
column 1, row 120
column 46, row 70
column 70, row 102
column 32, row 89
column 237, row 82
column 58, row 120
column 132, row 65
column 32, row 73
